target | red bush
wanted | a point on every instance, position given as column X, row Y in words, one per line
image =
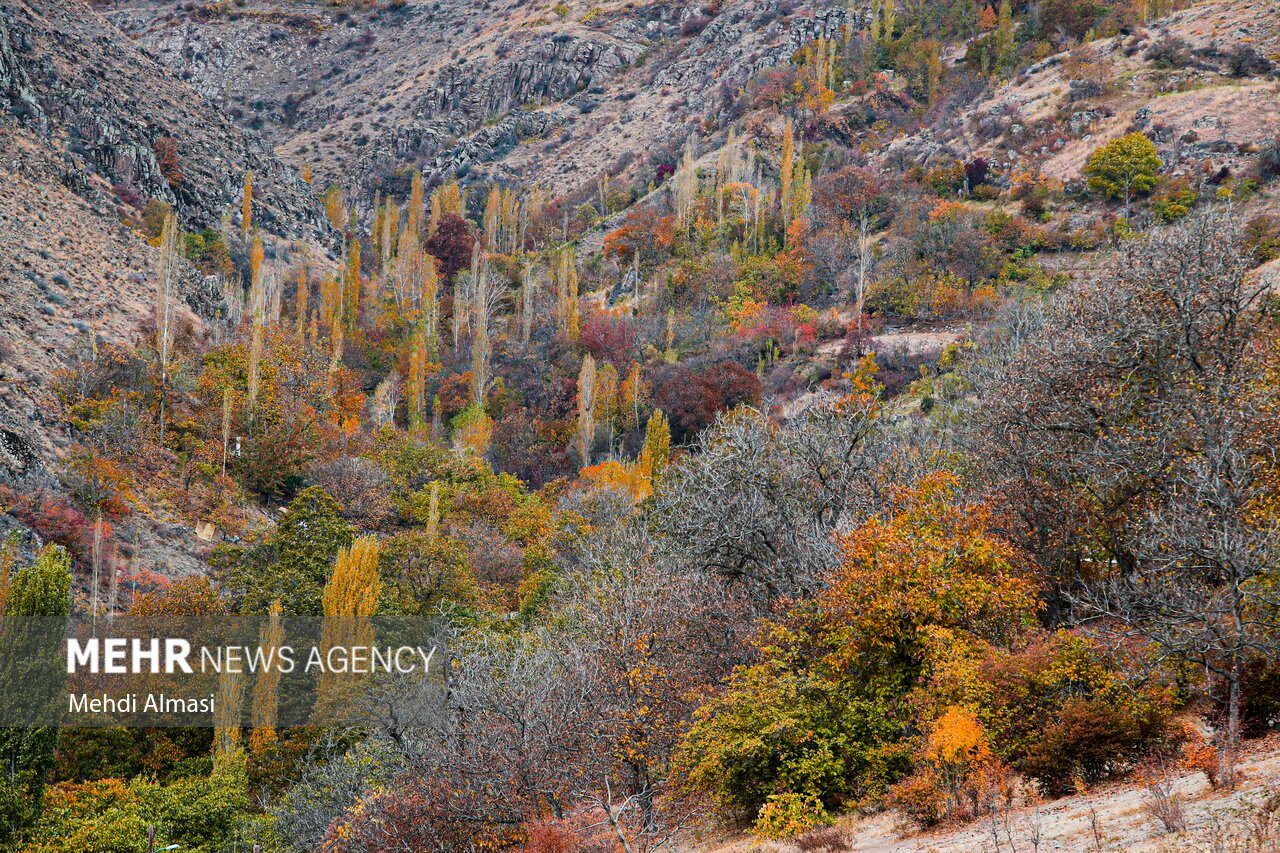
column 551, row 836
column 54, row 518
column 609, row 338
column 692, row 395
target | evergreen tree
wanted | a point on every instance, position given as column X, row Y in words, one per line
column 293, row 564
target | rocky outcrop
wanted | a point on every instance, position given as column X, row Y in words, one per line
column 460, row 87
column 75, row 82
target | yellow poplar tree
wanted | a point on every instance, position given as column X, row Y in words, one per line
column 226, row 715
column 633, row 393
column 350, row 600
column 351, row 285
column 335, row 206
column 416, row 203
column 786, row 175
column 265, row 709
column 246, row 206
column 656, row 452
column 302, row 300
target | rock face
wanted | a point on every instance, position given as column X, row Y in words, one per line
column 76, row 83
column 500, row 89
column 81, row 111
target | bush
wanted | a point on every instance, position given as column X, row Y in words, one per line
column 1245, row 61
column 821, row 841
column 693, row 25
column 1262, row 237
column 609, row 338
column 957, row 771
column 1064, row 712
column 788, row 815
column 692, row 395
column 551, row 836
column 1269, row 162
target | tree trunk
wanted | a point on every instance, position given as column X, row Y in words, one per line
column 1227, row 756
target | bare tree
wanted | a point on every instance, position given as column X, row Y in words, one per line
column 1138, row 435
column 760, row 501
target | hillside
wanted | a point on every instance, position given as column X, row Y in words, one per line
column 514, row 91
column 639, row 426
column 85, row 112
column 1115, row 817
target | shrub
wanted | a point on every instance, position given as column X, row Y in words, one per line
column 1245, row 61
column 788, row 815
column 1269, row 162
column 1064, row 711
column 1168, row 53
column 692, row 395
column 821, row 841
column 551, row 836
column 976, row 171
column 609, row 338
column 166, row 153
column 957, row 772
column 693, row 25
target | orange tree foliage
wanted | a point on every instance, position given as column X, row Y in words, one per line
column 823, row 712
column 642, row 232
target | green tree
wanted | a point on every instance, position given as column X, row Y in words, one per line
column 292, row 564
column 822, row 714
column 1005, row 43
column 1123, row 167
column 31, row 680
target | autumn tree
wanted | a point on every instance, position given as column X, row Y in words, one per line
column 1133, row 454
column 586, row 432
column 246, row 207
column 166, row 292
column 266, row 687
column 1124, row 167
column 416, row 206
column 928, row 564
column 227, row 711
column 335, row 206
column 350, row 600
column 451, row 243
column 655, row 454
column 166, row 152
column 756, row 507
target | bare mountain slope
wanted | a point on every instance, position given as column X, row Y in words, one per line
column 1201, row 83
column 501, row 88
column 83, row 111
column 90, row 94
